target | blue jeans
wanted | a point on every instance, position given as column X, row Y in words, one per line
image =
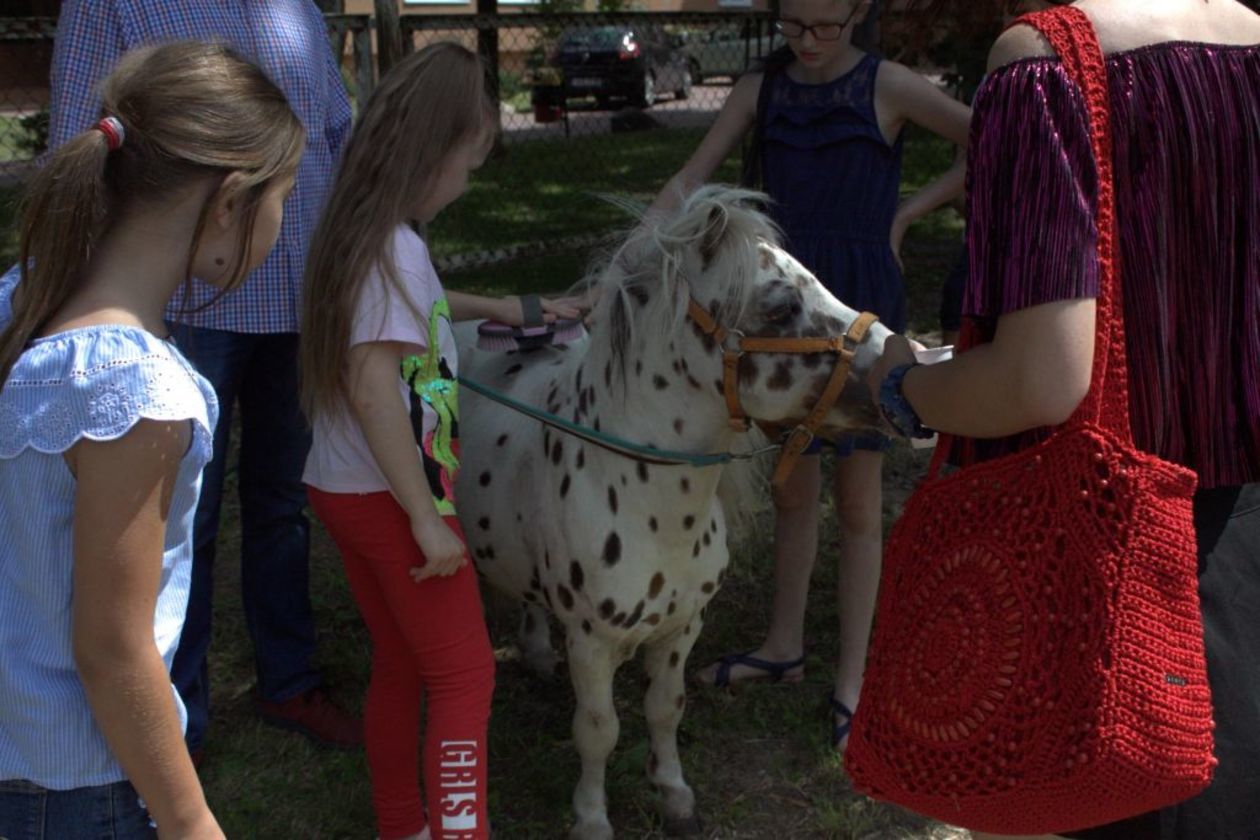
column 108, row 812
column 259, row 371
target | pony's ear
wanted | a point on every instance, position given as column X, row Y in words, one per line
column 715, row 228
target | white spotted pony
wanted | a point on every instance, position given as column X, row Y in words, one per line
column 624, row 553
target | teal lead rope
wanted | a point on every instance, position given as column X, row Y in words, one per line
column 621, row 446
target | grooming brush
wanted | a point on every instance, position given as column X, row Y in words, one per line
column 505, row 338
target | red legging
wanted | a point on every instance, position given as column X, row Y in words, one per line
column 428, row 641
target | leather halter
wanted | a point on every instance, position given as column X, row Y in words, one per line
column 802, row 434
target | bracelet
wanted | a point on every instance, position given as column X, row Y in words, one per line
column 896, row 408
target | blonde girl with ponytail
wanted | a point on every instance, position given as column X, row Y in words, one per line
column 105, row 429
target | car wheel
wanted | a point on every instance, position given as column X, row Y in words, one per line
column 685, row 91
column 646, row 94
column 693, row 70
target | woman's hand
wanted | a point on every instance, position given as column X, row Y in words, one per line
column 898, row 350
column 444, row 553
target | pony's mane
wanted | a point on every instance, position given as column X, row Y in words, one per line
column 645, row 281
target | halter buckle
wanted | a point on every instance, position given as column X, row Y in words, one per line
column 792, row 441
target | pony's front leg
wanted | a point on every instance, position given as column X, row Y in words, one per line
column 592, row 664
column 665, row 660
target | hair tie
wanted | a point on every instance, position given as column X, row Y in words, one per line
column 114, row 132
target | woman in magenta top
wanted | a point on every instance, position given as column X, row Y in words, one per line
column 1184, row 78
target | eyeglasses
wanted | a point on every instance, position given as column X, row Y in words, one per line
column 820, row 31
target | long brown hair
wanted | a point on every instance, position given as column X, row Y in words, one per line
column 426, row 106
column 189, row 111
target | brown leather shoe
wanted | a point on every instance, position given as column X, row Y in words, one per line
column 314, row 715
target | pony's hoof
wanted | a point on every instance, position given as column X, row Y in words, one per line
column 592, row 831
column 683, row 826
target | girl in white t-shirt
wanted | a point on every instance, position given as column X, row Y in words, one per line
column 379, row 366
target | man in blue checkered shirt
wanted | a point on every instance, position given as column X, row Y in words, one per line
column 245, row 342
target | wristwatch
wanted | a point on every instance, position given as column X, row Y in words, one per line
column 897, row 409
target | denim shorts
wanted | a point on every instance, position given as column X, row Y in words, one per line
column 107, row 812
column 845, row 444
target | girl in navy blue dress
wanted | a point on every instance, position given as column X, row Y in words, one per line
column 828, row 122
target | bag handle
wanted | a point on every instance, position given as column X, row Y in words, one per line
column 1072, row 36
column 1106, row 404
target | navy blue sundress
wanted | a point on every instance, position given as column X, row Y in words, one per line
column 834, row 182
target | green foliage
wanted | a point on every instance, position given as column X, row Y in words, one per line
column 513, row 90
column 34, row 137
column 958, row 44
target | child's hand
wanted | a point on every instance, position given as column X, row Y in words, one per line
column 444, row 553
column 567, row 307
column 513, row 313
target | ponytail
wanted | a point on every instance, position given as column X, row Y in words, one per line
column 66, row 209
column 178, row 113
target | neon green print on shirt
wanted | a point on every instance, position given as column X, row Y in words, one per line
column 432, row 384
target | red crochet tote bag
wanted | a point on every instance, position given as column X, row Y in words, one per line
column 1037, row 663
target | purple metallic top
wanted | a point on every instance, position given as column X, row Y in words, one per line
column 1186, row 120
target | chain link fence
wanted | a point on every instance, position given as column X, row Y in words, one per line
column 596, row 110
column 25, row 53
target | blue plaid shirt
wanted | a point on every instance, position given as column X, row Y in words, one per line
column 289, row 41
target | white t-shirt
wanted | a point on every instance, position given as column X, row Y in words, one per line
column 340, row 460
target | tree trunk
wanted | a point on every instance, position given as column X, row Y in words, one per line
column 488, row 46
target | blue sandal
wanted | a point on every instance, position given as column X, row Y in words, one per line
column 839, row 731
column 774, row 671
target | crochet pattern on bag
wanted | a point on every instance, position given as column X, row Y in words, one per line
column 1046, row 671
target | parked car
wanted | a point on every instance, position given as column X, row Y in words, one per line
column 635, row 63
column 728, row 50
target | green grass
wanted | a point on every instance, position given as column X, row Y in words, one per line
column 758, row 760
column 527, row 193
column 544, row 190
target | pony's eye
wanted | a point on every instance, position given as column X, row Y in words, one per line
column 780, row 314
